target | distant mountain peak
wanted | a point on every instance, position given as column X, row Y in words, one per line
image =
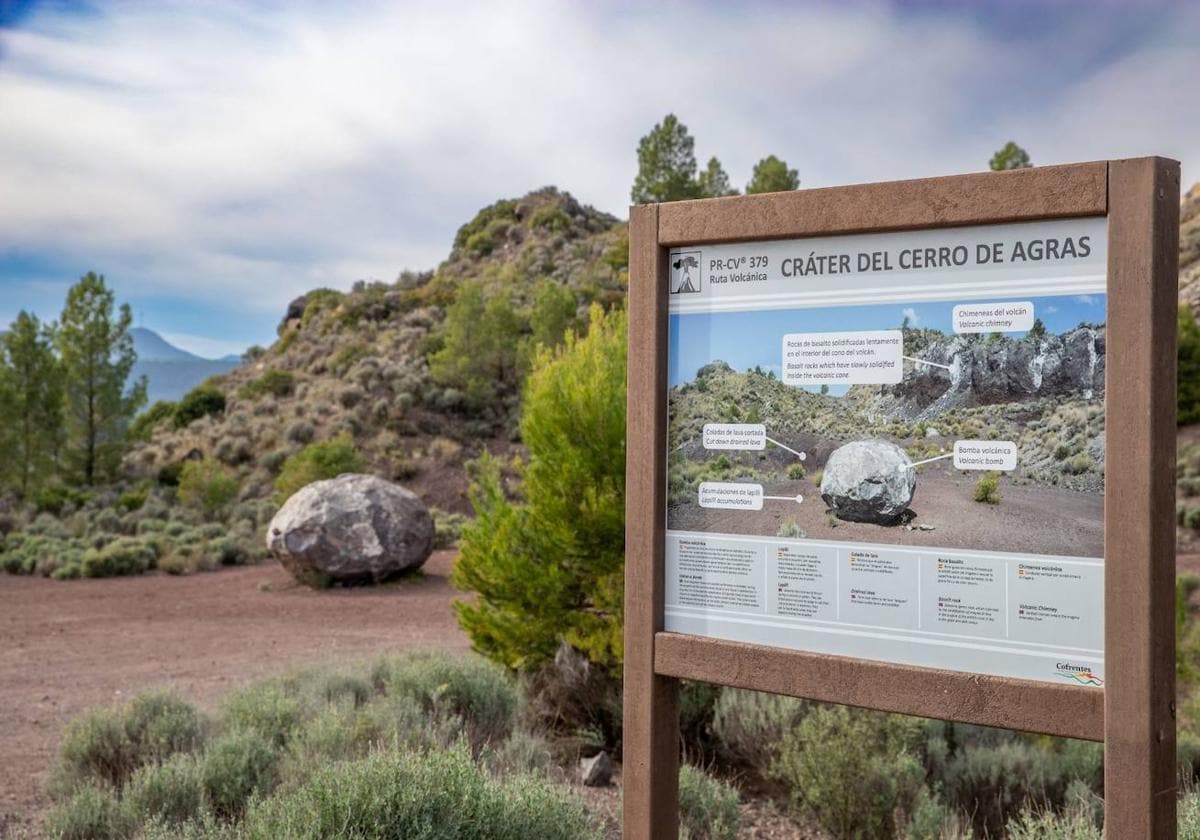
column 152, row 347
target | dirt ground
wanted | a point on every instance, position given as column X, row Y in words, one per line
column 1030, row 519
column 66, row 646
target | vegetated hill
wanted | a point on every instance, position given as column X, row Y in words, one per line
column 171, row 372
column 358, row 362
column 1189, row 249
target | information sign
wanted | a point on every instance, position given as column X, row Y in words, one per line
column 910, row 447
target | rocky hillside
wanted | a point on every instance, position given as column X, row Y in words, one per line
column 358, row 362
column 1189, row 249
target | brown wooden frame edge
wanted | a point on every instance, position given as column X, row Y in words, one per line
column 1134, row 715
column 1045, row 708
column 1044, row 192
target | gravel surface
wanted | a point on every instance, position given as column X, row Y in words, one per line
column 66, row 646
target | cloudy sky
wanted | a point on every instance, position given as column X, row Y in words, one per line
column 215, row 160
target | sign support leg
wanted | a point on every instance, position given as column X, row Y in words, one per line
column 651, row 717
column 1139, row 618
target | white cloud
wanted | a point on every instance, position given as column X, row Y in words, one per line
column 914, row 319
column 208, row 348
column 246, row 153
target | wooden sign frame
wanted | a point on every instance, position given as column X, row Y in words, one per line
column 1134, row 713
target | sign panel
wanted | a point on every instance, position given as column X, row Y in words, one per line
column 891, row 446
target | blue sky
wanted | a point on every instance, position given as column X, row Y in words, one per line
column 696, row 339
column 216, row 159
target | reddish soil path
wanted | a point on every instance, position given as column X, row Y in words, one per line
column 66, row 646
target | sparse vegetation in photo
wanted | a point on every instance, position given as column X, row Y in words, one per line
column 987, row 489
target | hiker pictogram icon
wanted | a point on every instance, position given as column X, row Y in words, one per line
column 685, row 272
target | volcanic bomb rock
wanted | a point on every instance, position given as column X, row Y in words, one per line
column 351, row 529
column 868, row 481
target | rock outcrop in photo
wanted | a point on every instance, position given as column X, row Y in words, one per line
column 990, row 371
column 868, row 481
column 351, row 529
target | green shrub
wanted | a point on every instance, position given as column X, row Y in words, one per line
column 1074, row 824
column 123, row 556
column 171, row 792
column 90, row 814
column 708, row 808
column 225, row 551
column 160, row 725
column 551, row 568
column 418, row 794
column 201, row 401
column 318, row 301
column 447, row 527
column 203, row 827
column 207, row 485
column 504, row 211
column 1189, row 815
column 1079, row 464
column 54, row 498
column 931, row 820
column 299, row 432
column 265, row 709
column 341, row 731
column 1188, row 374
column 316, row 462
column 987, row 488
column 796, row 472
column 996, row 779
column 750, row 725
column 467, row 687
column 521, row 753
column 790, row 529
column 850, row 770
column 481, row 243
column 346, row 356
column 143, row 426
column 278, row 383
column 817, row 476
column 95, row 748
column 134, row 498
column 235, row 767
column 551, row 217
column 105, row 746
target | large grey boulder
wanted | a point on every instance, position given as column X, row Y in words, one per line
column 868, row 481
column 351, row 529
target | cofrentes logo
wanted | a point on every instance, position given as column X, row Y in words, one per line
column 1081, row 674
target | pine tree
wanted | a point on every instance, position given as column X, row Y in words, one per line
column 550, row 568
column 666, row 164
column 480, row 353
column 97, row 357
column 713, row 182
column 772, row 175
column 1011, row 156
column 31, row 409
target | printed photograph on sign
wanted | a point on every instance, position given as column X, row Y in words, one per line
column 892, row 447
column 918, row 428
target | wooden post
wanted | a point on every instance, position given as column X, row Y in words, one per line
column 1139, row 504
column 650, row 753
